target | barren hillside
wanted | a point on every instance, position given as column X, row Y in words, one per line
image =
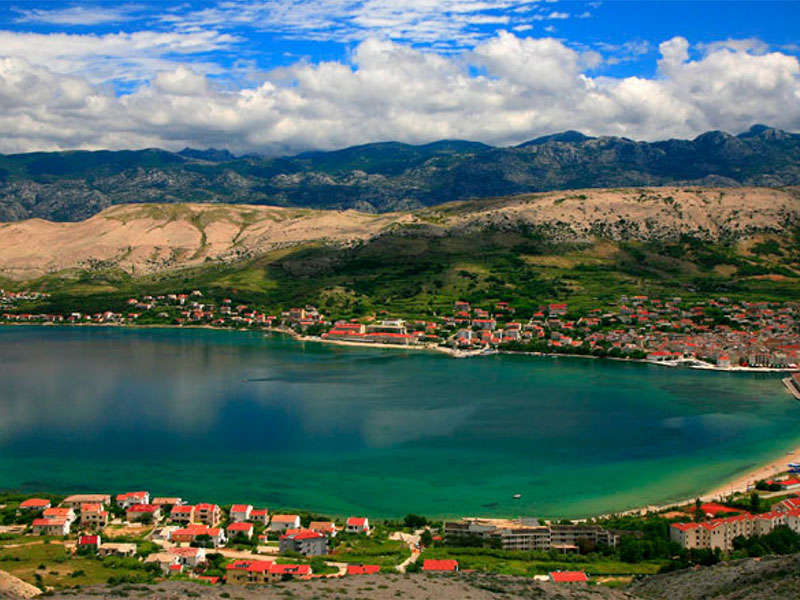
column 148, row 238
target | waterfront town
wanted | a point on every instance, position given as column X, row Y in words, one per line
column 716, row 333
column 242, row 544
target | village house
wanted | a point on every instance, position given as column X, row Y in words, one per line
column 165, row 503
column 88, row 543
column 93, row 516
column 304, row 541
column 568, row 577
column 189, row 557
column 241, row 512
column 363, row 569
column 188, row 534
column 143, row 512
column 76, row 500
column 446, row 565
column 284, row 522
column 240, row 528
column 260, row 515
column 357, row 525
column 34, row 504
column 182, row 513
column 130, row 498
column 117, row 549
column 54, row 526
column 209, row 514
column 327, row 528
column 165, row 560
column 243, row 572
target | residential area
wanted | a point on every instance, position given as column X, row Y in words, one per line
column 135, row 537
column 717, row 333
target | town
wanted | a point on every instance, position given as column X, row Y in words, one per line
column 715, row 334
column 241, row 544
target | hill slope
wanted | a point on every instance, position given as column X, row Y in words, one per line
column 71, row 186
column 149, row 238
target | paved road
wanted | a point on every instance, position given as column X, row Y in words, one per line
column 412, row 541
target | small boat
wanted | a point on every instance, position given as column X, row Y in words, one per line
column 517, row 496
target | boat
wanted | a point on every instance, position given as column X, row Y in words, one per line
column 517, row 496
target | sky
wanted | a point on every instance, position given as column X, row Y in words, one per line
column 283, row 76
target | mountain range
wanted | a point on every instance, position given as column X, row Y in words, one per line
column 388, row 176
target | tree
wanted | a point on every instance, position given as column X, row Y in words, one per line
column 426, row 539
column 414, row 521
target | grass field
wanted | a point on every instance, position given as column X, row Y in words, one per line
column 508, row 562
column 414, row 274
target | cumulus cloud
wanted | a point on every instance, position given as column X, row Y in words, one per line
column 504, row 90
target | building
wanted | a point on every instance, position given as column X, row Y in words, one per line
column 529, row 534
column 327, row 528
column 284, row 522
column 209, row 514
column 59, row 513
column 241, row 512
column 789, row 504
column 187, row 535
column 166, row 502
column 89, row 543
column 34, row 504
column 243, row 572
column 130, row 498
column 189, row 557
column 260, row 515
column 76, row 500
column 357, row 525
column 54, row 526
column 93, row 516
column 363, row 569
column 568, row 577
column 117, row 549
column 143, row 512
column 304, row 541
column 239, row 528
column 447, row 565
column 720, row 533
column 182, row 513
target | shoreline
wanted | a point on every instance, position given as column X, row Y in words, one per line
column 453, row 352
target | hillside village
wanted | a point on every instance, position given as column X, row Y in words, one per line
column 241, row 544
column 716, row 333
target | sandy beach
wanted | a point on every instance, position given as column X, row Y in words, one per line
column 747, row 481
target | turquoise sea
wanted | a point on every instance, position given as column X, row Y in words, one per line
column 228, row 416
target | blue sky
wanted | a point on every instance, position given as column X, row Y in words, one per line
column 286, row 75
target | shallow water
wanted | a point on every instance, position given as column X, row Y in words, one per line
column 230, row 416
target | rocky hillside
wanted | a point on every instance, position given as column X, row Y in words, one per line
column 149, row 238
column 771, row 578
column 72, row 186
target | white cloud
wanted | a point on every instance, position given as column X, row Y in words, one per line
column 115, row 56
column 507, row 89
column 79, row 15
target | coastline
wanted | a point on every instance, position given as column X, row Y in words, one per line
column 453, row 352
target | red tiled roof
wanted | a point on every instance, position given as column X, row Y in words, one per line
column 240, row 527
column 356, row 521
column 362, row 569
column 568, row 576
column 34, row 503
column 89, row 540
column 431, row 564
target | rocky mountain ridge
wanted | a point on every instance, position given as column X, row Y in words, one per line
column 389, row 176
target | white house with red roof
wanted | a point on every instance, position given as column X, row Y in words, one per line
column 260, row 515
column 284, row 522
column 60, row 513
column 240, row 528
column 34, row 504
column 182, row 513
column 263, row 571
column 327, row 528
column 304, row 541
column 189, row 557
column 93, row 515
column 89, row 542
column 241, row 512
column 210, row 514
column 191, row 532
column 58, row 526
column 357, row 525
column 131, row 498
